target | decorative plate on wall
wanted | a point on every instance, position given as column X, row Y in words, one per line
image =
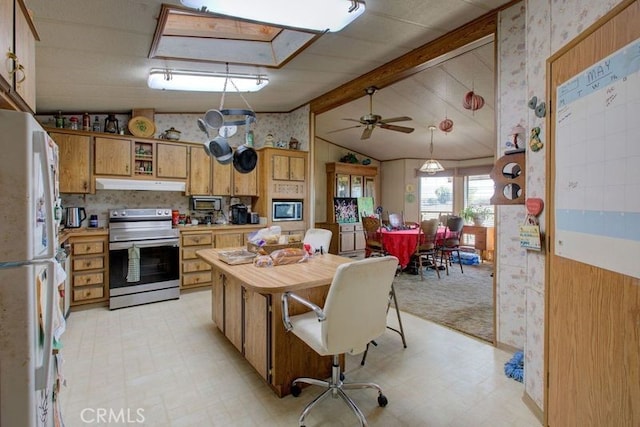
column 141, row 126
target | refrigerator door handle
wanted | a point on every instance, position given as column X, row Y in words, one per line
column 41, row 140
column 43, row 371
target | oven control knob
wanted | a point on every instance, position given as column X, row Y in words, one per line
column 166, row 212
column 159, row 213
column 123, row 213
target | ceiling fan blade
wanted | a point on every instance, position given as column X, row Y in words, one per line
column 396, row 128
column 396, row 119
column 352, row 120
column 366, row 133
column 350, row 127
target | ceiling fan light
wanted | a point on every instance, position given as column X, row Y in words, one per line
column 431, row 167
column 318, row 15
column 199, row 81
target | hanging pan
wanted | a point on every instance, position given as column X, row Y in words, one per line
column 245, row 159
column 214, row 119
column 220, row 149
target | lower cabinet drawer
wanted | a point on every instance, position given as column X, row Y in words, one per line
column 190, row 279
column 83, row 294
column 88, row 279
column 190, row 253
column 191, row 266
column 88, row 263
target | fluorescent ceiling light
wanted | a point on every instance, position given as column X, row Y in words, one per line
column 201, row 81
column 319, row 15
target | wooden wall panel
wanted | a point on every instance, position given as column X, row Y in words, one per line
column 593, row 338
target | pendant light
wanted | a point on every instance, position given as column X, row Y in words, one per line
column 431, row 166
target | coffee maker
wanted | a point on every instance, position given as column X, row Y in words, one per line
column 239, row 214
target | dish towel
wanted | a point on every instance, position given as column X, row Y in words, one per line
column 133, row 274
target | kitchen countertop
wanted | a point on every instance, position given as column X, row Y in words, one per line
column 190, row 227
column 64, row 234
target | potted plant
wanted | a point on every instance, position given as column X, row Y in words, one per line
column 475, row 214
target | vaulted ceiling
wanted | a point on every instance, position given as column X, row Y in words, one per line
column 95, row 56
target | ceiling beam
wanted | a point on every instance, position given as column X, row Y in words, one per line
column 408, row 64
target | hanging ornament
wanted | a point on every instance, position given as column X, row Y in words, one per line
column 472, row 101
column 446, row 125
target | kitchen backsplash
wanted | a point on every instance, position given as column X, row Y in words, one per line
column 104, row 200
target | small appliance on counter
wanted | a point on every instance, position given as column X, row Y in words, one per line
column 73, row 217
column 254, row 218
column 239, row 214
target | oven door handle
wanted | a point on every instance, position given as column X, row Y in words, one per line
column 143, row 244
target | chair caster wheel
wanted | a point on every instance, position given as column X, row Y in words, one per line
column 296, row 390
column 382, row 400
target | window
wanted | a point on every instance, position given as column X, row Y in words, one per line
column 436, row 197
column 478, row 190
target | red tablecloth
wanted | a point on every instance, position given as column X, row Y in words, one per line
column 402, row 243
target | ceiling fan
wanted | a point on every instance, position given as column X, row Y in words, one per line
column 370, row 121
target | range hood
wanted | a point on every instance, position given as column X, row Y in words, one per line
column 138, row 184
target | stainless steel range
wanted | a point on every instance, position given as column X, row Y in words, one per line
column 143, row 257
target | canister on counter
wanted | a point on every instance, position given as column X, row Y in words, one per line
column 93, row 221
column 175, row 217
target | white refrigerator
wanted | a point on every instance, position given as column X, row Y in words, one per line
column 29, row 273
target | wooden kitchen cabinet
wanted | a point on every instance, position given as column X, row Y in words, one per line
column 200, row 173
column 112, row 156
column 221, row 179
column 230, row 240
column 352, row 242
column 283, row 175
column 89, row 269
column 288, row 167
column 245, row 184
column 252, row 321
column 25, row 50
column 194, row 272
column 229, row 182
column 18, row 71
column 74, row 154
column 171, row 161
column 243, row 317
column 256, row 326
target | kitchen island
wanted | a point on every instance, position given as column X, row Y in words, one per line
column 246, row 307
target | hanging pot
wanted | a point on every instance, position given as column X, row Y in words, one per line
column 214, row 119
column 245, row 159
column 220, row 149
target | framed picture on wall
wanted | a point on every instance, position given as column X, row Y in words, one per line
column 343, row 186
column 346, row 209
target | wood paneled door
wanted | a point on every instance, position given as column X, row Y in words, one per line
column 593, row 313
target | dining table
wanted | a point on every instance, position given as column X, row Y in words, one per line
column 402, row 243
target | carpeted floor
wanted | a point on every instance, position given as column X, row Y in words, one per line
column 462, row 301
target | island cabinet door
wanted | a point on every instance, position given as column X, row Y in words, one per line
column 256, row 327
column 233, row 312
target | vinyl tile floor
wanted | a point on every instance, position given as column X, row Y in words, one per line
column 166, row 364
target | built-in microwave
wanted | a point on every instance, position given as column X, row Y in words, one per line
column 286, row 210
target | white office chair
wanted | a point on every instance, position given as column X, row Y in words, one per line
column 355, row 312
column 319, row 239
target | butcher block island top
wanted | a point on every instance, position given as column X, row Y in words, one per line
column 316, row 271
column 246, row 308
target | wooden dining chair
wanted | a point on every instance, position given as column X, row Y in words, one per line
column 426, row 247
column 451, row 242
column 372, row 237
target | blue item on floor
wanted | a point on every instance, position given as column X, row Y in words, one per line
column 468, row 258
column 514, row 368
